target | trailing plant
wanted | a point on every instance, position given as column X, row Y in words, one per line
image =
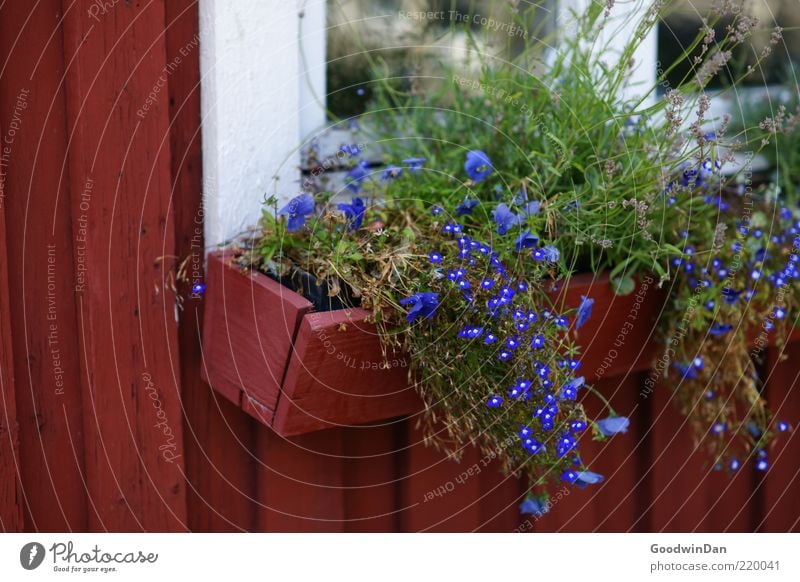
column 735, row 294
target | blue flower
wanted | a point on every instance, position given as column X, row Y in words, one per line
column 354, row 213
column 452, row 228
column 391, row 172
column 435, row 257
column 297, row 209
column 566, row 443
column 422, row 304
column 531, row 208
column 414, row 164
column 588, row 478
column 584, row 311
column 355, row 177
column 506, row 219
column 494, row 401
column 352, row 149
column 551, row 253
column 533, row 506
column 470, row 332
column 466, row 206
column 478, row 165
column 577, row 425
column 613, row 425
column 719, row 329
column 569, row 391
column 687, row 371
column 531, row 445
column 526, row 240
column 730, row 296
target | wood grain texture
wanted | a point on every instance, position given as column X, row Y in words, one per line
column 300, row 482
column 338, row 376
column 118, row 121
column 251, row 322
column 371, row 476
column 679, row 487
column 438, row 494
column 219, row 438
column 11, row 494
column 779, row 488
column 40, row 247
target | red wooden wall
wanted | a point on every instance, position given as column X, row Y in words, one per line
column 100, row 198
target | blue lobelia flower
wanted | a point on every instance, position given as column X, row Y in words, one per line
column 613, row 425
column 584, row 311
column 494, row 401
column 588, row 478
column 505, row 219
column 354, row 213
column 414, row 164
column 719, row 329
column 391, row 172
column 551, row 253
column 296, row 210
column 422, row 305
column 531, row 208
column 526, row 240
column 478, row 165
column 352, row 149
column 533, row 506
column 466, row 207
column 355, row 177
column 569, row 391
column 687, row 371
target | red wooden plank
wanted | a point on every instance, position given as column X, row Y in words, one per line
column 219, row 438
column 619, row 337
column 338, row 375
column 686, row 494
column 500, row 496
column 11, row 499
column 221, row 464
column 779, row 492
column 371, row 474
column 250, row 324
column 438, row 494
column 300, row 482
column 41, row 266
column 118, row 123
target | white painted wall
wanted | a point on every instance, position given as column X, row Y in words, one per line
column 619, row 29
column 252, row 103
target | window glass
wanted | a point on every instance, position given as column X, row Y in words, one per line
column 408, row 40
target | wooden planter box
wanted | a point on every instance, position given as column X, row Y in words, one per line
column 299, row 371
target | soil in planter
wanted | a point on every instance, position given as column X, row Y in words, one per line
column 307, row 285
